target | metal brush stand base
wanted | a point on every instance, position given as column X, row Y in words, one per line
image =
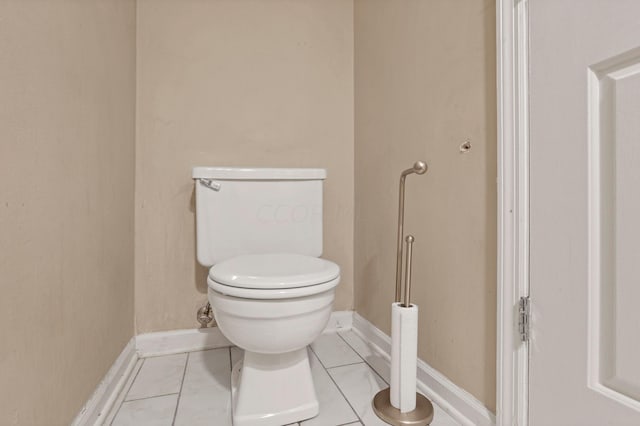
column 421, row 416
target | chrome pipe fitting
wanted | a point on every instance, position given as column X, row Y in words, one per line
column 205, row 315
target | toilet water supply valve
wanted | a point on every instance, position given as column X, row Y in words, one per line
column 400, row 404
column 205, row 315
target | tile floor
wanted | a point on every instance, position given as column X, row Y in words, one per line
column 194, row 388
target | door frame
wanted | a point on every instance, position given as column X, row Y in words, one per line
column 512, row 356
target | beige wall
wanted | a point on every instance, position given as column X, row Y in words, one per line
column 425, row 82
column 67, row 75
column 251, row 83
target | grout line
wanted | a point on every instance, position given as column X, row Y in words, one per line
column 344, row 365
column 125, row 391
column 345, row 398
column 115, row 415
column 352, row 348
column 365, row 361
column 317, row 357
column 184, row 373
column 181, row 353
column 151, row 397
column 133, row 381
column 336, row 385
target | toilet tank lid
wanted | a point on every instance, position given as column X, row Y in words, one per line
column 255, row 173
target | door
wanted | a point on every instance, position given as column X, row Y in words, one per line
column 584, row 118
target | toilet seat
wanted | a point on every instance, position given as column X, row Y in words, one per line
column 273, row 276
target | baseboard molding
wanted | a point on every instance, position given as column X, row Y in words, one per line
column 107, row 391
column 178, row 341
column 339, row 321
column 457, row 402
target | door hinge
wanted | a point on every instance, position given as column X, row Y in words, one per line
column 524, row 317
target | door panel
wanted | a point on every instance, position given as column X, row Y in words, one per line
column 585, row 212
column 614, row 246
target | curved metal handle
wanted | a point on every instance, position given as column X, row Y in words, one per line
column 420, row 168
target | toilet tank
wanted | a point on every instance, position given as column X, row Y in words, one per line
column 257, row 210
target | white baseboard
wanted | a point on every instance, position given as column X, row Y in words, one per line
column 107, row 391
column 178, row 341
column 339, row 321
column 457, row 402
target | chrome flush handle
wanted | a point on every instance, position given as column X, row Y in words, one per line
column 210, row 183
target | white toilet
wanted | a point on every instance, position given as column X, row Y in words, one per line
column 260, row 231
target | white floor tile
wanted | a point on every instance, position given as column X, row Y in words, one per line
column 334, row 409
column 206, row 391
column 156, row 411
column 333, row 351
column 158, row 376
column 366, row 351
column 205, row 396
column 359, row 383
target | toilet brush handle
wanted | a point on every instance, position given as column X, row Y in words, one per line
column 407, row 271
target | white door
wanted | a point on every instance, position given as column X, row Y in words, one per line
column 584, row 100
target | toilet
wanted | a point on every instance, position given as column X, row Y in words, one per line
column 259, row 230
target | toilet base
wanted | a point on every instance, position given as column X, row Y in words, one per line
column 273, row 389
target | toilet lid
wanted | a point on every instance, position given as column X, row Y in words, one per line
column 274, row 271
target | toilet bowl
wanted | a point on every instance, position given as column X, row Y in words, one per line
column 273, row 306
column 260, row 232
